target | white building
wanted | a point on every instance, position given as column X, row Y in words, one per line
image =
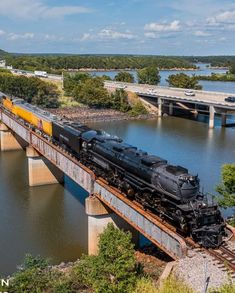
column 2, row 63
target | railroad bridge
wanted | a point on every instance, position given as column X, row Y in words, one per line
column 48, row 164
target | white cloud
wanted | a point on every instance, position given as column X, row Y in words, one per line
column 111, row 34
column 222, row 39
column 26, row 36
column 201, row 34
column 223, row 17
column 173, row 26
column 150, row 35
column 2, row 33
column 34, row 9
column 49, row 37
column 86, row 36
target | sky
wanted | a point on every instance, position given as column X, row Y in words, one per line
column 168, row 27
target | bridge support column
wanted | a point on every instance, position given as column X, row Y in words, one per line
column 99, row 215
column 212, row 117
column 8, row 141
column 159, row 107
column 171, row 109
column 41, row 171
column 223, row 119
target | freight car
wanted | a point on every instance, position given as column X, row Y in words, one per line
column 38, row 119
column 169, row 191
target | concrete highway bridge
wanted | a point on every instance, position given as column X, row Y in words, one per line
column 213, row 102
column 48, row 164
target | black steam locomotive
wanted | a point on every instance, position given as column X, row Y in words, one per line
column 169, row 191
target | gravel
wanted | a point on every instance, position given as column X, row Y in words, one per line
column 198, row 267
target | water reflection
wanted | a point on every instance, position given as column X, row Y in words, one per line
column 46, row 220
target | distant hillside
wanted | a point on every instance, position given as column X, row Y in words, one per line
column 2, row 52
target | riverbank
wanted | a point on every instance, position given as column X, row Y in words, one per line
column 130, row 69
column 85, row 114
column 217, row 77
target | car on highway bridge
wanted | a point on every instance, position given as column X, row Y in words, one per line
column 230, row 99
column 189, row 93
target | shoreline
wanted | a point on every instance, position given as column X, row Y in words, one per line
column 218, row 67
column 91, row 115
column 129, row 69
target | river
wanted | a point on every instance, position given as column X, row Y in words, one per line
column 51, row 221
column 218, row 86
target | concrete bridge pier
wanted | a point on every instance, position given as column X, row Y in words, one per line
column 171, row 110
column 223, row 119
column 159, row 107
column 41, row 171
column 211, row 117
column 99, row 215
column 8, row 141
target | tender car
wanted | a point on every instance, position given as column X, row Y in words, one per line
column 230, row 99
column 189, row 93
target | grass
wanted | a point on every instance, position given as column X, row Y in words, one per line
column 171, row 285
column 65, row 101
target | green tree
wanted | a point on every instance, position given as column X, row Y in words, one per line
column 115, row 268
column 227, row 187
column 138, row 109
column 30, row 277
column 92, row 93
column 124, row 77
column 119, row 100
column 182, row 80
column 232, row 68
column 73, row 80
column 148, row 75
column 106, row 77
column 35, row 275
column 31, row 89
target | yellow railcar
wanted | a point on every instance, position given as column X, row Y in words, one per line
column 35, row 116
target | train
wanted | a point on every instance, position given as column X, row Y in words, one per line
column 169, row 191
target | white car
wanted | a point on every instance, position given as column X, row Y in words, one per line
column 189, row 93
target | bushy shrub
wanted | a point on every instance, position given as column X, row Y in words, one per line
column 145, row 285
column 228, row 287
column 227, row 187
column 173, row 285
column 138, row 109
column 36, row 276
column 114, row 269
column 182, row 80
column 32, row 89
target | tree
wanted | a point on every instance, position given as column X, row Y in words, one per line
column 138, row 109
column 73, row 80
column 124, row 77
column 92, row 93
column 148, row 75
column 119, row 100
column 31, row 89
column 182, row 80
column 232, row 68
column 114, row 269
column 227, row 187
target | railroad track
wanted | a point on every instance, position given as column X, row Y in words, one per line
column 224, row 255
